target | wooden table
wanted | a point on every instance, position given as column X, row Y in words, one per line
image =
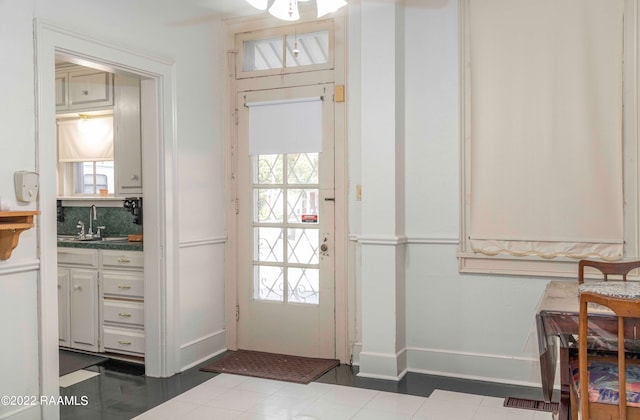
column 557, row 324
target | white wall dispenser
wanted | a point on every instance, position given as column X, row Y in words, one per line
column 26, row 184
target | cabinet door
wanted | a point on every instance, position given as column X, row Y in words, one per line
column 63, row 307
column 62, row 101
column 84, row 309
column 127, row 140
column 90, row 89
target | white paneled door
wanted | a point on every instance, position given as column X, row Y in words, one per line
column 285, row 207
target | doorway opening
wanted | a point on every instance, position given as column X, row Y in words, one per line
column 99, row 214
column 160, row 246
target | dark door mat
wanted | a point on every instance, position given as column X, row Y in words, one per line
column 550, row 407
column 280, row 367
column 70, row 361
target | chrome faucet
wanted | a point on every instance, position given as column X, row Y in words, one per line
column 90, row 235
column 92, row 216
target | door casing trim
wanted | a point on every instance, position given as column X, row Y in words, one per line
column 159, row 173
column 231, row 88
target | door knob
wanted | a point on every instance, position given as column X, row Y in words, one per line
column 324, row 247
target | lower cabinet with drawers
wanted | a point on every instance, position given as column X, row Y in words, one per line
column 122, row 302
column 101, row 300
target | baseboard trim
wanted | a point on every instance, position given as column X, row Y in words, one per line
column 506, row 369
column 475, row 378
column 496, row 368
column 204, row 359
column 383, row 365
column 385, row 377
column 201, row 349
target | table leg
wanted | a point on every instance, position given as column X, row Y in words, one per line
column 547, row 346
column 565, row 387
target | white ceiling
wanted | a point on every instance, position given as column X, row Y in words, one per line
column 227, row 8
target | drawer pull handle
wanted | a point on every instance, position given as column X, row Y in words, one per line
column 124, row 287
column 123, row 315
column 124, row 260
column 124, row 343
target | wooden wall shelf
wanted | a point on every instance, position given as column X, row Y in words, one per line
column 12, row 224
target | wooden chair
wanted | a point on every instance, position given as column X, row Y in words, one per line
column 598, row 395
column 607, row 268
column 618, row 269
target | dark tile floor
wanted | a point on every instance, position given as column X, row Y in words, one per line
column 121, row 391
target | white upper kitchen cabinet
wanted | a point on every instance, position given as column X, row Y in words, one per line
column 84, row 89
column 127, row 142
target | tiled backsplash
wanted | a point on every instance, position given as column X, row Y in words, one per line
column 117, row 221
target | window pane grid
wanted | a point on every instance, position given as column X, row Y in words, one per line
column 312, row 48
column 92, row 177
column 286, row 255
column 286, row 51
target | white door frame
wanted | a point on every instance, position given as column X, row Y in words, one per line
column 341, row 249
column 160, row 181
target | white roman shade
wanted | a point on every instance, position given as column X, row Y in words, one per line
column 285, row 126
column 546, row 128
column 85, row 140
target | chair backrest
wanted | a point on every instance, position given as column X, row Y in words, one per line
column 607, row 268
column 623, row 308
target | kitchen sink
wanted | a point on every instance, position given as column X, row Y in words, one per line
column 73, row 238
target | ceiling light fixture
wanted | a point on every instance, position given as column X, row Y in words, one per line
column 288, row 9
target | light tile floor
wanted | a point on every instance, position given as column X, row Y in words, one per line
column 243, row 398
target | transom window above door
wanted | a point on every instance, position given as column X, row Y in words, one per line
column 288, row 49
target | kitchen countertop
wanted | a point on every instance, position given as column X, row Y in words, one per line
column 122, row 245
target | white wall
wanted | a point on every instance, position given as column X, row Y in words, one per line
column 464, row 325
column 478, row 326
column 18, row 275
column 473, row 326
column 164, row 29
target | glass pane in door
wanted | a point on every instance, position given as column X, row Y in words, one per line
column 286, row 228
column 303, row 285
column 268, row 283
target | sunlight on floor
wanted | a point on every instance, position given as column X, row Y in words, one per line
column 75, row 377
